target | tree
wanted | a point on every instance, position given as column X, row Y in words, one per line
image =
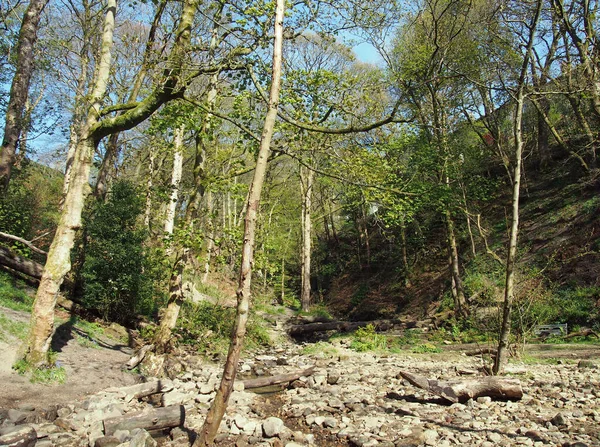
column 217, row 409
column 19, row 90
column 528, row 41
column 89, row 136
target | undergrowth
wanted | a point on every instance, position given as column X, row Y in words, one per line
column 13, row 295
column 47, row 375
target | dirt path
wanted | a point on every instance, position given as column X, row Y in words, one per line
column 90, row 366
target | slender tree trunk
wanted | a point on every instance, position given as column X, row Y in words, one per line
column 58, row 261
column 175, row 181
column 210, row 244
column 217, row 409
column 460, row 302
column 149, row 184
column 504, row 335
column 19, row 89
column 306, row 182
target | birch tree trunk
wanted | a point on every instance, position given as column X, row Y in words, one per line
column 502, row 354
column 175, row 181
column 219, row 404
column 58, row 262
column 19, row 89
column 15, row 118
column 306, row 184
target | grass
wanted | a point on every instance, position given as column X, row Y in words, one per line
column 320, row 349
column 12, row 295
column 10, row 328
column 44, row 375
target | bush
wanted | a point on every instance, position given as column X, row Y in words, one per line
column 207, row 328
column 115, row 270
column 366, row 339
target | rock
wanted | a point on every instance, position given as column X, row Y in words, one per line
column 559, row 420
column 174, row 398
column 107, row 441
column 333, row 377
column 141, row 438
column 272, row 426
column 484, row 400
column 494, row 437
column 430, row 437
column 17, row 416
column 330, row 422
column 20, row 436
column 586, row 364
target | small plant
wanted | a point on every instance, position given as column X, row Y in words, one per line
column 317, row 310
column 426, row 348
column 54, row 373
column 366, row 339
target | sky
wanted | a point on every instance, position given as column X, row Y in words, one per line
column 366, row 52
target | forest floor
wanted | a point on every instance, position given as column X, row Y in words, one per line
column 91, row 362
column 353, row 399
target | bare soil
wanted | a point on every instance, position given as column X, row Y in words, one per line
column 90, row 367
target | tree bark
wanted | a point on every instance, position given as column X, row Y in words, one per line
column 217, row 409
column 58, row 262
column 504, row 334
column 306, row 185
column 156, row 419
column 20, row 264
column 275, row 380
column 19, row 89
column 175, row 181
column 465, row 389
column 460, row 302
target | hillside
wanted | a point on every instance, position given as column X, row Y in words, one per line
column 558, row 260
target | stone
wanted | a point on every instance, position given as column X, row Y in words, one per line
column 141, row 438
column 484, row 400
column 559, row 420
column 174, row 398
column 494, row 437
column 107, row 441
column 430, row 437
column 586, row 364
column 17, row 416
column 272, row 426
column 330, row 422
column 333, row 377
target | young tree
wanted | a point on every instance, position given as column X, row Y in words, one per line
column 217, row 409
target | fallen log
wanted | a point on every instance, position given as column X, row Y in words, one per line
column 141, row 390
column 346, row 326
column 482, row 351
column 274, row 380
column 20, row 264
column 504, row 388
column 156, row 419
column 585, row 332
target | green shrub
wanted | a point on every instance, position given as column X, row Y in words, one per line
column 426, row 348
column 207, row 328
column 116, row 272
column 366, row 339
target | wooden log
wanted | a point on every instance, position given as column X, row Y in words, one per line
column 20, row 264
column 274, row 380
column 482, row 351
column 156, row 419
column 345, row 326
column 143, row 389
column 504, row 388
column 19, row 436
